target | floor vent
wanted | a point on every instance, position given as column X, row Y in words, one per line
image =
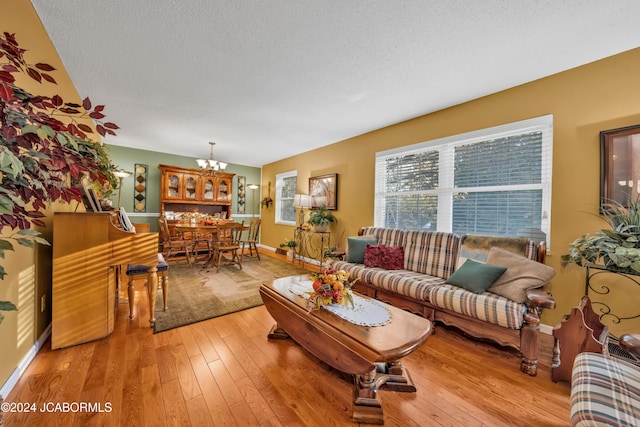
column 617, row 351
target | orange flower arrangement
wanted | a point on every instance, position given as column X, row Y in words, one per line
column 331, row 287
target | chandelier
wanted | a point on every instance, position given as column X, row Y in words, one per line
column 211, row 164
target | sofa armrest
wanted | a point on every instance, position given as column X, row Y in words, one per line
column 537, row 300
column 540, row 298
column 631, row 343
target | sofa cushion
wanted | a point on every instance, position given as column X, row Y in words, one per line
column 382, row 256
column 431, row 253
column 475, row 276
column 486, row 306
column 356, row 246
column 408, row 283
column 604, row 391
column 354, row 270
column 522, row 274
column 386, row 236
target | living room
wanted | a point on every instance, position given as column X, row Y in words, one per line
column 584, row 101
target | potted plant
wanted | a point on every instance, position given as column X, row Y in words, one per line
column 615, row 249
column 290, row 244
column 320, row 218
column 45, row 150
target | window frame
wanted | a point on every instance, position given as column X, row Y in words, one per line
column 446, row 189
column 279, row 199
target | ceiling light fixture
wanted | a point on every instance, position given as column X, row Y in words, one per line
column 211, row 164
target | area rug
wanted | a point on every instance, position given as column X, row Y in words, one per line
column 197, row 294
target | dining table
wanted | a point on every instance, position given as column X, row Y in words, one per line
column 202, row 229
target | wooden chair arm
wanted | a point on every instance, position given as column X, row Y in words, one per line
column 540, row 298
column 631, row 343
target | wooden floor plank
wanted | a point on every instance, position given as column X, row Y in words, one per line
column 224, row 371
column 219, row 412
column 175, row 408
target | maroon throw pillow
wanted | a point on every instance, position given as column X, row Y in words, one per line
column 382, row 256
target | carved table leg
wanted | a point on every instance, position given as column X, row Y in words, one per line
column 277, row 333
column 152, row 288
column 367, row 408
column 393, row 376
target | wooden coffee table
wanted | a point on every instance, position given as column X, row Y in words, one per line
column 371, row 354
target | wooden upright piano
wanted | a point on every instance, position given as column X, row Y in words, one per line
column 88, row 250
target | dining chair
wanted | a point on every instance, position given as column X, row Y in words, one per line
column 227, row 242
column 173, row 246
column 202, row 243
column 252, row 239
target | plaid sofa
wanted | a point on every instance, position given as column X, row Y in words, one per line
column 429, row 259
column 605, row 391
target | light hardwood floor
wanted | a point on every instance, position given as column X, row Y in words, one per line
column 224, row 371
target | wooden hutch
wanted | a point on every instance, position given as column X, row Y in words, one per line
column 185, row 190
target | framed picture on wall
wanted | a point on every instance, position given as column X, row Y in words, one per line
column 620, row 165
column 324, row 191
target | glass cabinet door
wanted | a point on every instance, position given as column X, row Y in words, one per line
column 173, row 186
column 190, row 187
column 223, row 189
column 209, row 189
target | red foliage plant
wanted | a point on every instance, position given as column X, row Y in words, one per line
column 44, row 140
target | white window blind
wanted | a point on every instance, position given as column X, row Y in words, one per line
column 286, row 184
column 495, row 181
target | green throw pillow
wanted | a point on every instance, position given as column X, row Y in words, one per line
column 356, row 247
column 475, row 276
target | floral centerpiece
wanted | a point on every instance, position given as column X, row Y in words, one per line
column 331, row 287
column 200, row 218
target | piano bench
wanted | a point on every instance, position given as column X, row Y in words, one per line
column 137, row 271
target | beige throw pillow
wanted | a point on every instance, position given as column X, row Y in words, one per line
column 522, row 274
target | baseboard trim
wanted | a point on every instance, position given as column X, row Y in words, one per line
column 24, row 363
column 546, row 329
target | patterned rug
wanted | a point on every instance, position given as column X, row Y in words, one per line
column 197, row 294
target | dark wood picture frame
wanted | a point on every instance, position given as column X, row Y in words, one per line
column 323, row 190
column 620, row 165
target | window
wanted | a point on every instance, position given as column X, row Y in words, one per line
column 286, row 184
column 495, row 181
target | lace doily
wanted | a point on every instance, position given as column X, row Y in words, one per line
column 365, row 311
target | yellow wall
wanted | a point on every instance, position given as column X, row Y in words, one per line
column 29, row 271
column 598, row 96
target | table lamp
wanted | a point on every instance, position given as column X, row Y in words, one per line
column 301, row 201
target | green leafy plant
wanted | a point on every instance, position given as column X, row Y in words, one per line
column 45, row 150
column 321, row 217
column 616, row 249
column 288, row 243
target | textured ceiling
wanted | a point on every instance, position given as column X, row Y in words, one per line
column 273, row 78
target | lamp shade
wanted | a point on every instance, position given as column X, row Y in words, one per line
column 305, row 201
column 302, row 201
